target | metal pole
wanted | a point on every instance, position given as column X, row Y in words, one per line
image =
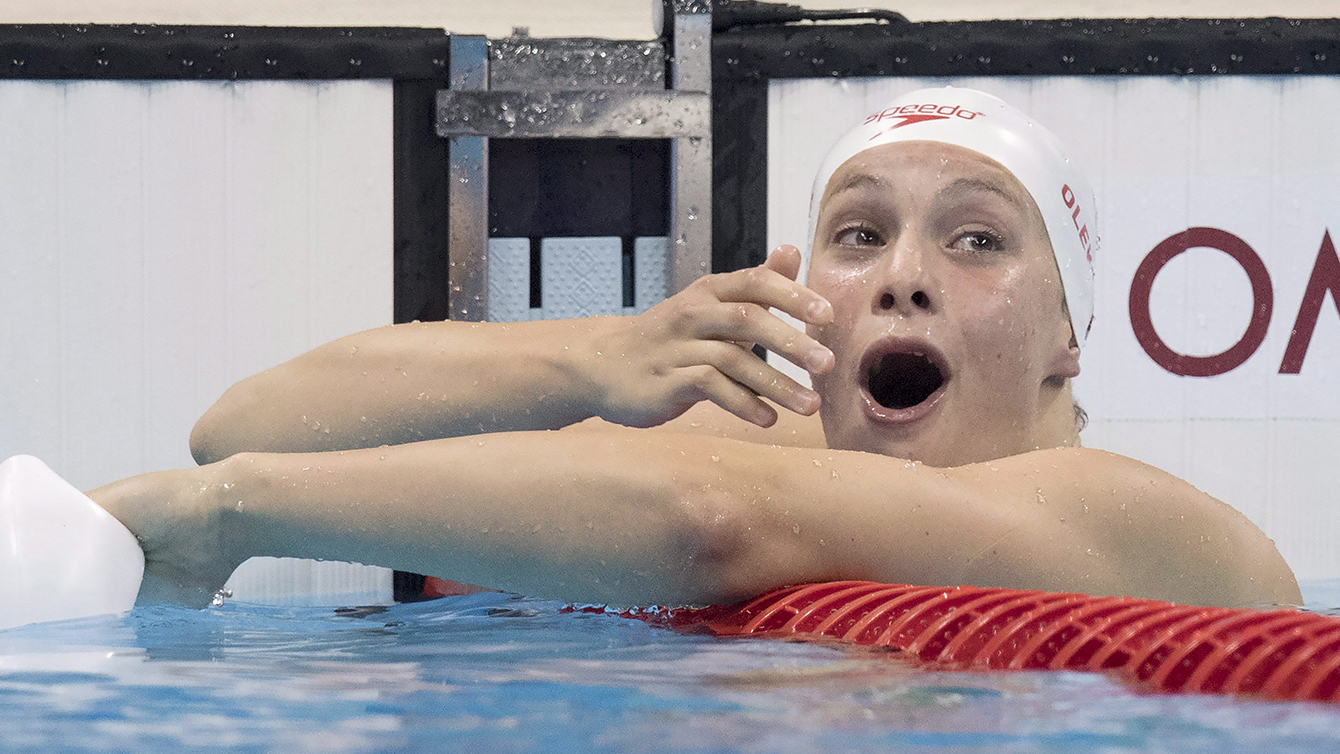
column 691, row 156
column 468, row 193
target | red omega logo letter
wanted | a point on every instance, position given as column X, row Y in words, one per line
column 1263, row 302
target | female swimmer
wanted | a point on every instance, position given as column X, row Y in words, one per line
column 949, row 289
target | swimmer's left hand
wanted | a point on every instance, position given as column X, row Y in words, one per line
column 189, row 550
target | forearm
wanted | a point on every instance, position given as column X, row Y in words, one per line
column 405, row 383
column 577, row 517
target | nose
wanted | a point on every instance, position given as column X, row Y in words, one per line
column 905, row 287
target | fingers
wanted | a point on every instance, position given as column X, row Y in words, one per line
column 768, row 288
column 710, row 383
column 785, row 261
column 746, row 369
column 751, row 323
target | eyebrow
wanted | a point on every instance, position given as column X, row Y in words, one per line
column 957, row 188
column 960, row 187
column 858, row 180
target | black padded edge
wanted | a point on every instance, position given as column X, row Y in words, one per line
column 65, row 51
column 1158, row 47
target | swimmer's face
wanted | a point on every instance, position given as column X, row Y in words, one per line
column 950, row 340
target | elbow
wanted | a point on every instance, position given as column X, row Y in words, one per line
column 713, row 542
column 733, row 550
column 204, row 447
column 217, row 434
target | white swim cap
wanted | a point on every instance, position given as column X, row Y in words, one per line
column 985, row 124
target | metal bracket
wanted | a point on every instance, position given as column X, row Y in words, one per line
column 613, row 90
column 601, row 113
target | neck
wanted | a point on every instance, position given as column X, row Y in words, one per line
column 1056, row 426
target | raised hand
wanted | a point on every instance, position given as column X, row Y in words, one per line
column 696, row 346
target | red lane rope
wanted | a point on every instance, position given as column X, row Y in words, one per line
column 1279, row 654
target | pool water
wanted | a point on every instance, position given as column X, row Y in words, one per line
column 500, row 673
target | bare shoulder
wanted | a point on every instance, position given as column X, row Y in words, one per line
column 1090, row 468
column 790, row 430
column 1152, row 524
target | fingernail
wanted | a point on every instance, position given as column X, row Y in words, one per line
column 819, row 359
column 809, row 401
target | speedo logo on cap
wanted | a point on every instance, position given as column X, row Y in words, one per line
column 906, row 115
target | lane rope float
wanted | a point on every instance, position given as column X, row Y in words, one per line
column 1278, row 654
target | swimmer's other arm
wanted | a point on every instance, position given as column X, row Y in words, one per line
column 636, row 518
column 421, row 381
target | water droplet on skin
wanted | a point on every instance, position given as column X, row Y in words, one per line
column 1041, row 499
column 795, row 529
column 484, row 530
column 716, row 459
column 835, row 474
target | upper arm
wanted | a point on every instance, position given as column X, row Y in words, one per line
column 1069, row 520
column 1113, row 525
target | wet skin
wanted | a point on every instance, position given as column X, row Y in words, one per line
column 922, row 248
column 933, row 248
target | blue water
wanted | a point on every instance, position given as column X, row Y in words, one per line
column 497, row 673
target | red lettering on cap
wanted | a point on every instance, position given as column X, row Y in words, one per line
column 920, row 113
column 1081, row 229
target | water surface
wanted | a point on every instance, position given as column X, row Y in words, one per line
column 495, row 672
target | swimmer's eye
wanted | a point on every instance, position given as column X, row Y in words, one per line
column 859, row 235
column 978, row 241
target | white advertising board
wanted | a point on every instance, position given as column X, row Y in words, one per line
column 1217, row 330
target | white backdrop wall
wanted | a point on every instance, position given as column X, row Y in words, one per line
column 1253, row 156
column 163, row 240
column 160, row 241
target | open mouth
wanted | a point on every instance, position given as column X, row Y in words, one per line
column 902, row 375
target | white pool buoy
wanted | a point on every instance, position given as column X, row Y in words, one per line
column 61, row 555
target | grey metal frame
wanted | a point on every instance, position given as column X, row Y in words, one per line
column 468, row 192
column 590, row 88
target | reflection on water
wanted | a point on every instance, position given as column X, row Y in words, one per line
column 498, row 673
